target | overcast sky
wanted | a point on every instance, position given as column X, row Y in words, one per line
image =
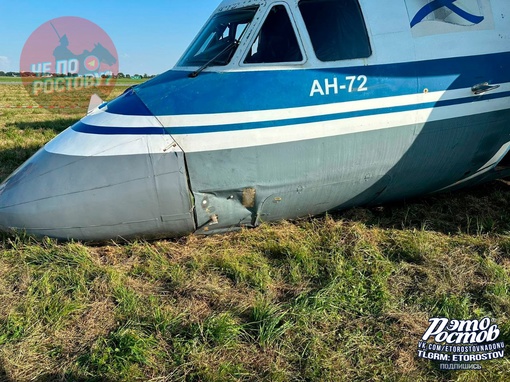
column 149, row 36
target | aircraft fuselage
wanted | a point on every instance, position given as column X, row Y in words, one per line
column 384, row 102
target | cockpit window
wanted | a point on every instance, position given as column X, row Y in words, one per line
column 336, row 28
column 276, row 41
column 219, row 40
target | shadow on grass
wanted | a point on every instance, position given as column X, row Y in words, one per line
column 57, row 125
column 3, row 374
column 11, row 159
column 479, row 210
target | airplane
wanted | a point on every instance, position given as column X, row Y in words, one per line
column 282, row 109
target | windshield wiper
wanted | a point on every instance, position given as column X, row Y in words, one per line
column 233, row 44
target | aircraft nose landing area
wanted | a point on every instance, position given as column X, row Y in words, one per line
column 93, row 186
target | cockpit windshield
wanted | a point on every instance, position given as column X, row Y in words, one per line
column 219, row 40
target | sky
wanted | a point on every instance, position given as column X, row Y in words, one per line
column 150, row 36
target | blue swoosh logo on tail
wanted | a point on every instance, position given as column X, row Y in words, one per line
column 436, row 4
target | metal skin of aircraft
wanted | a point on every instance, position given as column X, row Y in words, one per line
column 282, row 109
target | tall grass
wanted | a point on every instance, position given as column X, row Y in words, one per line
column 342, row 297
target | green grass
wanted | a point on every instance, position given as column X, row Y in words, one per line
column 343, row 297
column 10, row 79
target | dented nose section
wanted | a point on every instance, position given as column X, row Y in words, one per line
column 116, row 173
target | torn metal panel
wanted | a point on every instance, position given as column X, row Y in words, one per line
column 224, row 210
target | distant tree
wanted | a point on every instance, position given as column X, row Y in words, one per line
column 145, row 75
column 120, row 75
column 2, row 73
column 128, row 75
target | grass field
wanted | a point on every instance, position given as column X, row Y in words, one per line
column 10, row 79
column 343, row 297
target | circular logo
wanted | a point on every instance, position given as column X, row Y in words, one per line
column 67, row 60
column 91, row 63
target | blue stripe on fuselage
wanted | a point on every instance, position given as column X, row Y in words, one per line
column 173, row 93
column 326, row 118
column 128, row 103
column 84, row 128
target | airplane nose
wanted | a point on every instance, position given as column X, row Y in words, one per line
column 95, row 186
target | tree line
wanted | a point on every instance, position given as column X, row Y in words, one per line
column 30, row 74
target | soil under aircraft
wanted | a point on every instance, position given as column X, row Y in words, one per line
column 281, row 109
